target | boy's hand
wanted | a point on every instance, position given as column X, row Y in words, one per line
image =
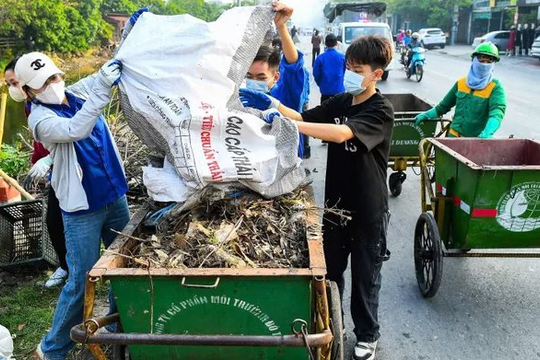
column 257, row 100
column 283, row 13
column 270, row 114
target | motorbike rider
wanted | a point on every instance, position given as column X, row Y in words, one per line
column 479, row 98
column 405, row 40
column 414, row 43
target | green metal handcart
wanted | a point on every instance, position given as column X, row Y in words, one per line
column 407, row 135
column 486, row 196
column 209, row 313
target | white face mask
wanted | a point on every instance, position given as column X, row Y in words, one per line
column 16, row 94
column 53, row 94
column 353, row 82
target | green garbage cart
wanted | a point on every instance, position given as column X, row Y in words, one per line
column 486, row 196
column 407, row 135
column 215, row 313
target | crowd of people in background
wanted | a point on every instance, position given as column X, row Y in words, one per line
column 521, row 39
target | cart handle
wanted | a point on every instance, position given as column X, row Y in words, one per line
column 79, row 334
column 200, row 286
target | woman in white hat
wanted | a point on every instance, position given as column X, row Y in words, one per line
column 87, row 176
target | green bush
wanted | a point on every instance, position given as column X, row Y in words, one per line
column 13, row 161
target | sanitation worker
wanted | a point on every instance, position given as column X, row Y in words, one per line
column 479, row 98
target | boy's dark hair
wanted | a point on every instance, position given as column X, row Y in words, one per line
column 11, row 64
column 330, row 40
column 375, row 51
column 270, row 55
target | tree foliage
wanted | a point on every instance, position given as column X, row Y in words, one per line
column 437, row 13
column 67, row 26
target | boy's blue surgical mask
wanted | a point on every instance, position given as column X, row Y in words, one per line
column 353, row 82
column 257, row 85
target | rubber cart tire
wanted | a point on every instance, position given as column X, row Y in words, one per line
column 427, row 255
column 395, row 182
column 119, row 352
column 336, row 321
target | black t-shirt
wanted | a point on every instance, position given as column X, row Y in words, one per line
column 356, row 169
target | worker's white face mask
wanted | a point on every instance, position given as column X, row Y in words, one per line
column 16, row 94
column 53, row 94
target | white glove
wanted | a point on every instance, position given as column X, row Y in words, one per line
column 111, row 71
column 40, row 168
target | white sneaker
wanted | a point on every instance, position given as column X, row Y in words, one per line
column 38, row 354
column 364, row 350
column 57, row 278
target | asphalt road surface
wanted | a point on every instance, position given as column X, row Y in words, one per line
column 485, row 308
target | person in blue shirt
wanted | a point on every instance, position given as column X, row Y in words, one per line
column 286, row 78
column 329, row 69
column 407, row 38
column 87, row 176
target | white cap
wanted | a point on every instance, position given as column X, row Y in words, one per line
column 33, row 69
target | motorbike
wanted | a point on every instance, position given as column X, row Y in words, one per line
column 402, row 51
column 416, row 65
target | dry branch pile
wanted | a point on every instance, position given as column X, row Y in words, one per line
column 134, row 156
column 245, row 232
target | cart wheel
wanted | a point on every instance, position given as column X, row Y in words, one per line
column 336, row 320
column 120, row 352
column 427, row 255
column 395, row 181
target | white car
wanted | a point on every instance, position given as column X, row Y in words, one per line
column 351, row 30
column 431, row 37
column 535, row 50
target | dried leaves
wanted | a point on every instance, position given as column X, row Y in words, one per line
column 245, row 232
column 134, row 156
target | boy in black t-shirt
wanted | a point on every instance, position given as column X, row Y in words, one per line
column 358, row 125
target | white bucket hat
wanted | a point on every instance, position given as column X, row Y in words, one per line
column 33, row 69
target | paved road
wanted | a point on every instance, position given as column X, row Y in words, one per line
column 485, row 308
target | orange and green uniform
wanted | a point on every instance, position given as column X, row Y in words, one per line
column 474, row 108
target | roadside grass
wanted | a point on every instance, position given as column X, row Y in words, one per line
column 26, row 309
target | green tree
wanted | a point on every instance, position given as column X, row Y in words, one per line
column 437, row 13
column 54, row 25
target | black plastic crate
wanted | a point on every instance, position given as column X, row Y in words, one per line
column 24, row 239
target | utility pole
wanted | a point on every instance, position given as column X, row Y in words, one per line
column 238, row 3
column 453, row 31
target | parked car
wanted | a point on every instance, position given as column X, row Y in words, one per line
column 535, row 50
column 498, row 38
column 351, row 30
column 431, row 37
